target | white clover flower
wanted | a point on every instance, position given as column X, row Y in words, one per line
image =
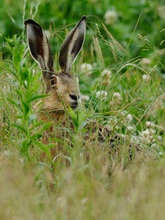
column 106, row 73
column 117, row 96
column 152, row 131
column 150, row 124
column 146, row 77
column 101, row 94
column 126, row 118
column 160, row 153
column 86, row 68
column 110, row 17
column 147, row 136
column 134, row 140
column 155, row 146
column 145, row 62
column 129, row 118
column 145, row 133
column 131, row 128
column 85, row 97
column 116, row 99
column 159, row 137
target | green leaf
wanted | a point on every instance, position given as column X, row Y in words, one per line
column 26, row 107
column 82, row 125
column 45, row 148
column 25, row 147
column 36, row 136
column 36, row 98
column 74, row 117
column 36, row 125
column 13, row 102
column 20, row 127
column 24, row 75
column 45, row 127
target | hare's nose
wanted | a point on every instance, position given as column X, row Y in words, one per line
column 74, row 97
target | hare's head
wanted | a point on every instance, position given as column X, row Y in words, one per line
column 62, row 88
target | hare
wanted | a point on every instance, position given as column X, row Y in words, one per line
column 62, row 88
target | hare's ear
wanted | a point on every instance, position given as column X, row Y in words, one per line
column 39, row 47
column 72, row 45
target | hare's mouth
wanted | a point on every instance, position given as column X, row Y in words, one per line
column 74, row 101
column 74, row 104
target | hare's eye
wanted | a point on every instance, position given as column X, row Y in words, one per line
column 53, row 81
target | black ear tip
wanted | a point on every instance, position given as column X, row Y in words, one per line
column 84, row 17
column 30, row 21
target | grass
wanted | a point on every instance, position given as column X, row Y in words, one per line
column 122, row 82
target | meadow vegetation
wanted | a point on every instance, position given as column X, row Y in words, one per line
column 121, row 70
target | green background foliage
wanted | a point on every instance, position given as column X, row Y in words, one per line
column 130, row 49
